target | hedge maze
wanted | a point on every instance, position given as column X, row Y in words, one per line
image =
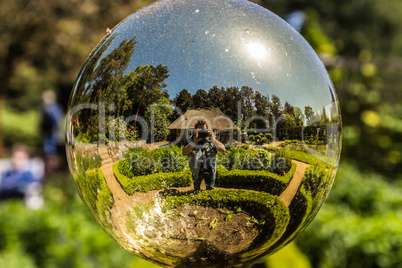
column 97, row 196
column 248, row 187
column 248, row 180
column 246, row 206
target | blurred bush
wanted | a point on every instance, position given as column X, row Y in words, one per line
column 61, row 234
column 359, row 226
column 20, row 127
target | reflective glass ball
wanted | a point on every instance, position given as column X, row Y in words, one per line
column 203, row 133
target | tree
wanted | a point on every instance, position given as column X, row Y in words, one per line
column 298, row 115
column 275, row 107
column 44, row 45
column 232, row 101
column 201, row 99
column 289, row 120
column 348, row 26
column 308, row 112
column 247, row 95
column 217, row 96
column 101, row 86
column 262, row 105
column 288, row 109
column 183, row 100
column 144, row 86
column 324, row 119
column 157, row 116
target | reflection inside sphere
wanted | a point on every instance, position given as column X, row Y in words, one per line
column 203, row 133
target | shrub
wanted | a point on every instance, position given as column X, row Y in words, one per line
column 245, row 146
column 61, row 234
column 20, row 127
column 85, row 163
column 228, row 146
column 249, row 159
column 97, row 196
column 233, row 156
column 268, row 136
column 258, row 138
column 265, row 207
column 315, row 180
column 139, row 162
column 169, row 159
column 281, row 163
column 271, row 148
column 151, row 182
column 254, row 180
column 310, row 158
column 300, row 216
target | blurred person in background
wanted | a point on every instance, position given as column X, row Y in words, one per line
column 19, row 181
column 52, row 116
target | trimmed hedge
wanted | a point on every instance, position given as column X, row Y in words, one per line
column 300, row 216
column 308, row 200
column 308, row 158
column 138, row 161
column 315, row 180
column 259, row 180
column 250, row 159
column 97, row 196
column 85, row 163
column 264, row 206
column 151, row 182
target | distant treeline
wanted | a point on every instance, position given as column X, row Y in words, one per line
column 253, row 109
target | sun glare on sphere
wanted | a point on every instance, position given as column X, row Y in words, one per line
column 257, row 51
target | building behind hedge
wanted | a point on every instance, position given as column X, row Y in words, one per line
column 220, row 123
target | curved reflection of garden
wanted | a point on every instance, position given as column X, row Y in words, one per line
column 125, row 137
column 268, row 186
column 248, row 210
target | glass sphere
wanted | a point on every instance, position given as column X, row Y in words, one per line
column 203, row 133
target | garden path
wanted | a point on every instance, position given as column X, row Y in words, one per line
column 287, row 196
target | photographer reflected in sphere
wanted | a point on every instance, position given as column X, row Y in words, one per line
column 201, row 151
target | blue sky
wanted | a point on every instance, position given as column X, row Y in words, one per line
column 226, row 43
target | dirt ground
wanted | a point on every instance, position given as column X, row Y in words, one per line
column 189, row 226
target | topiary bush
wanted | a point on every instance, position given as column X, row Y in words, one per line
column 139, row 162
column 97, row 196
column 254, row 180
column 151, row 182
column 313, row 178
column 249, row 159
column 266, row 208
column 268, row 136
column 87, row 163
column 280, row 163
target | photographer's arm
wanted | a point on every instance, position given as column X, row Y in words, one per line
column 219, row 145
column 189, row 147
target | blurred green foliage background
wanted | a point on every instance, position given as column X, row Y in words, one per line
column 44, row 44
